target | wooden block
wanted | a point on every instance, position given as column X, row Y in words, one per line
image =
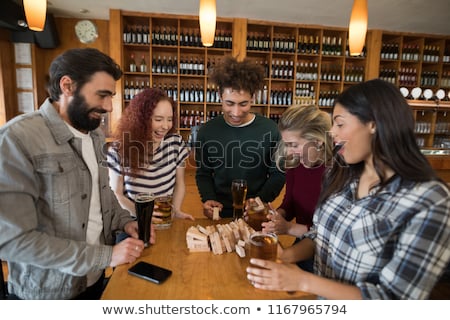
column 195, row 245
column 260, row 204
column 216, row 215
column 220, row 245
column 240, row 251
column 193, row 232
column 202, row 230
column 200, row 249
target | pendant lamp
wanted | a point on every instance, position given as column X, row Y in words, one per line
column 207, row 16
column 357, row 28
column 35, row 12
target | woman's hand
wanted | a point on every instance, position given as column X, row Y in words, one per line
column 276, row 224
column 270, row 275
column 183, row 215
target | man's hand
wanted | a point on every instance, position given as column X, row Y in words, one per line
column 208, row 208
column 131, row 228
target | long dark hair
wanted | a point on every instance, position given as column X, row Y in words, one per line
column 393, row 144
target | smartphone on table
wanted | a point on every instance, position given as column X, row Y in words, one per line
column 150, row 272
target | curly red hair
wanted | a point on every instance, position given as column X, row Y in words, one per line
column 135, row 127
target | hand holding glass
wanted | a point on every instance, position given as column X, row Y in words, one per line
column 144, row 203
column 263, row 246
column 257, row 214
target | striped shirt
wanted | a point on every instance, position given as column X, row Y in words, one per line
column 392, row 245
column 158, row 177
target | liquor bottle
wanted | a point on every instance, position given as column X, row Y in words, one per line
column 164, row 65
column 250, row 41
column 143, row 65
column 154, row 65
column 229, row 40
column 175, row 92
column 132, row 67
column 126, row 95
column 264, row 96
column 131, row 90
column 158, row 65
column 145, row 35
column 170, row 66
column 156, row 33
column 266, row 42
column 133, row 34
column 186, row 38
column 182, row 99
column 175, row 65
column 139, row 34
column 173, row 37
column 163, row 36
column 126, row 34
column 300, row 47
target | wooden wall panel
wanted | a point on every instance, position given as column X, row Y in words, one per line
column 68, row 40
column 8, row 98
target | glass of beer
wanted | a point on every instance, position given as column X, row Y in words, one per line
column 239, row 192
column 163, row 212
column 257, row 214
column 263, row 246
column 144, row 203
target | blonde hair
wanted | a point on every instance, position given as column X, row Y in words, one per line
column 312, row 124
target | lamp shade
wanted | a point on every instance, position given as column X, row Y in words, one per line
column 35, row 12
column 207, row 16
column 357, row 28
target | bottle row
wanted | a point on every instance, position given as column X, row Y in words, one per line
column 411, row 52
column 191, row 118
column 187, row 93
column 326, row 98
column 424, row 127
column 190, row 93
column 408, row 77
column 169, row 65
column 304, row 90
column 307, row 44
column 281, row 69
column 168, row 36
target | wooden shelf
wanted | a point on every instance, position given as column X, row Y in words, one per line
column 296, row 59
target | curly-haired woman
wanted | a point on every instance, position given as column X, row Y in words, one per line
column 147, row 155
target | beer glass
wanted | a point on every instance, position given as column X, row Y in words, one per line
column 163, row 212
column 257, row 215
column 239, row 192
column 144, row 203
column 263, row 246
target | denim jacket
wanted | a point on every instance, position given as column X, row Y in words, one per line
column 45, row 189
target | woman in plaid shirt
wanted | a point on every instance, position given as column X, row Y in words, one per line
column 382, row 225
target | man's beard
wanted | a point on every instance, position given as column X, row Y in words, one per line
column 78, row 112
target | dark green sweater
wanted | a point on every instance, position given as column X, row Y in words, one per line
column 224, row 153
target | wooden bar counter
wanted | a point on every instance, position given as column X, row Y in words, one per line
column 196, row 275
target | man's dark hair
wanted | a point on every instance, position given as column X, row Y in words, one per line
column 79, row 65
column 245, row 75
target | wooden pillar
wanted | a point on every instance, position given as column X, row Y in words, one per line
column 8, row 96
column 239, row 50
column 115, row 51
column 374, row 38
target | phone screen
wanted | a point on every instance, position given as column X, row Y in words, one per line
column 150, row 272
